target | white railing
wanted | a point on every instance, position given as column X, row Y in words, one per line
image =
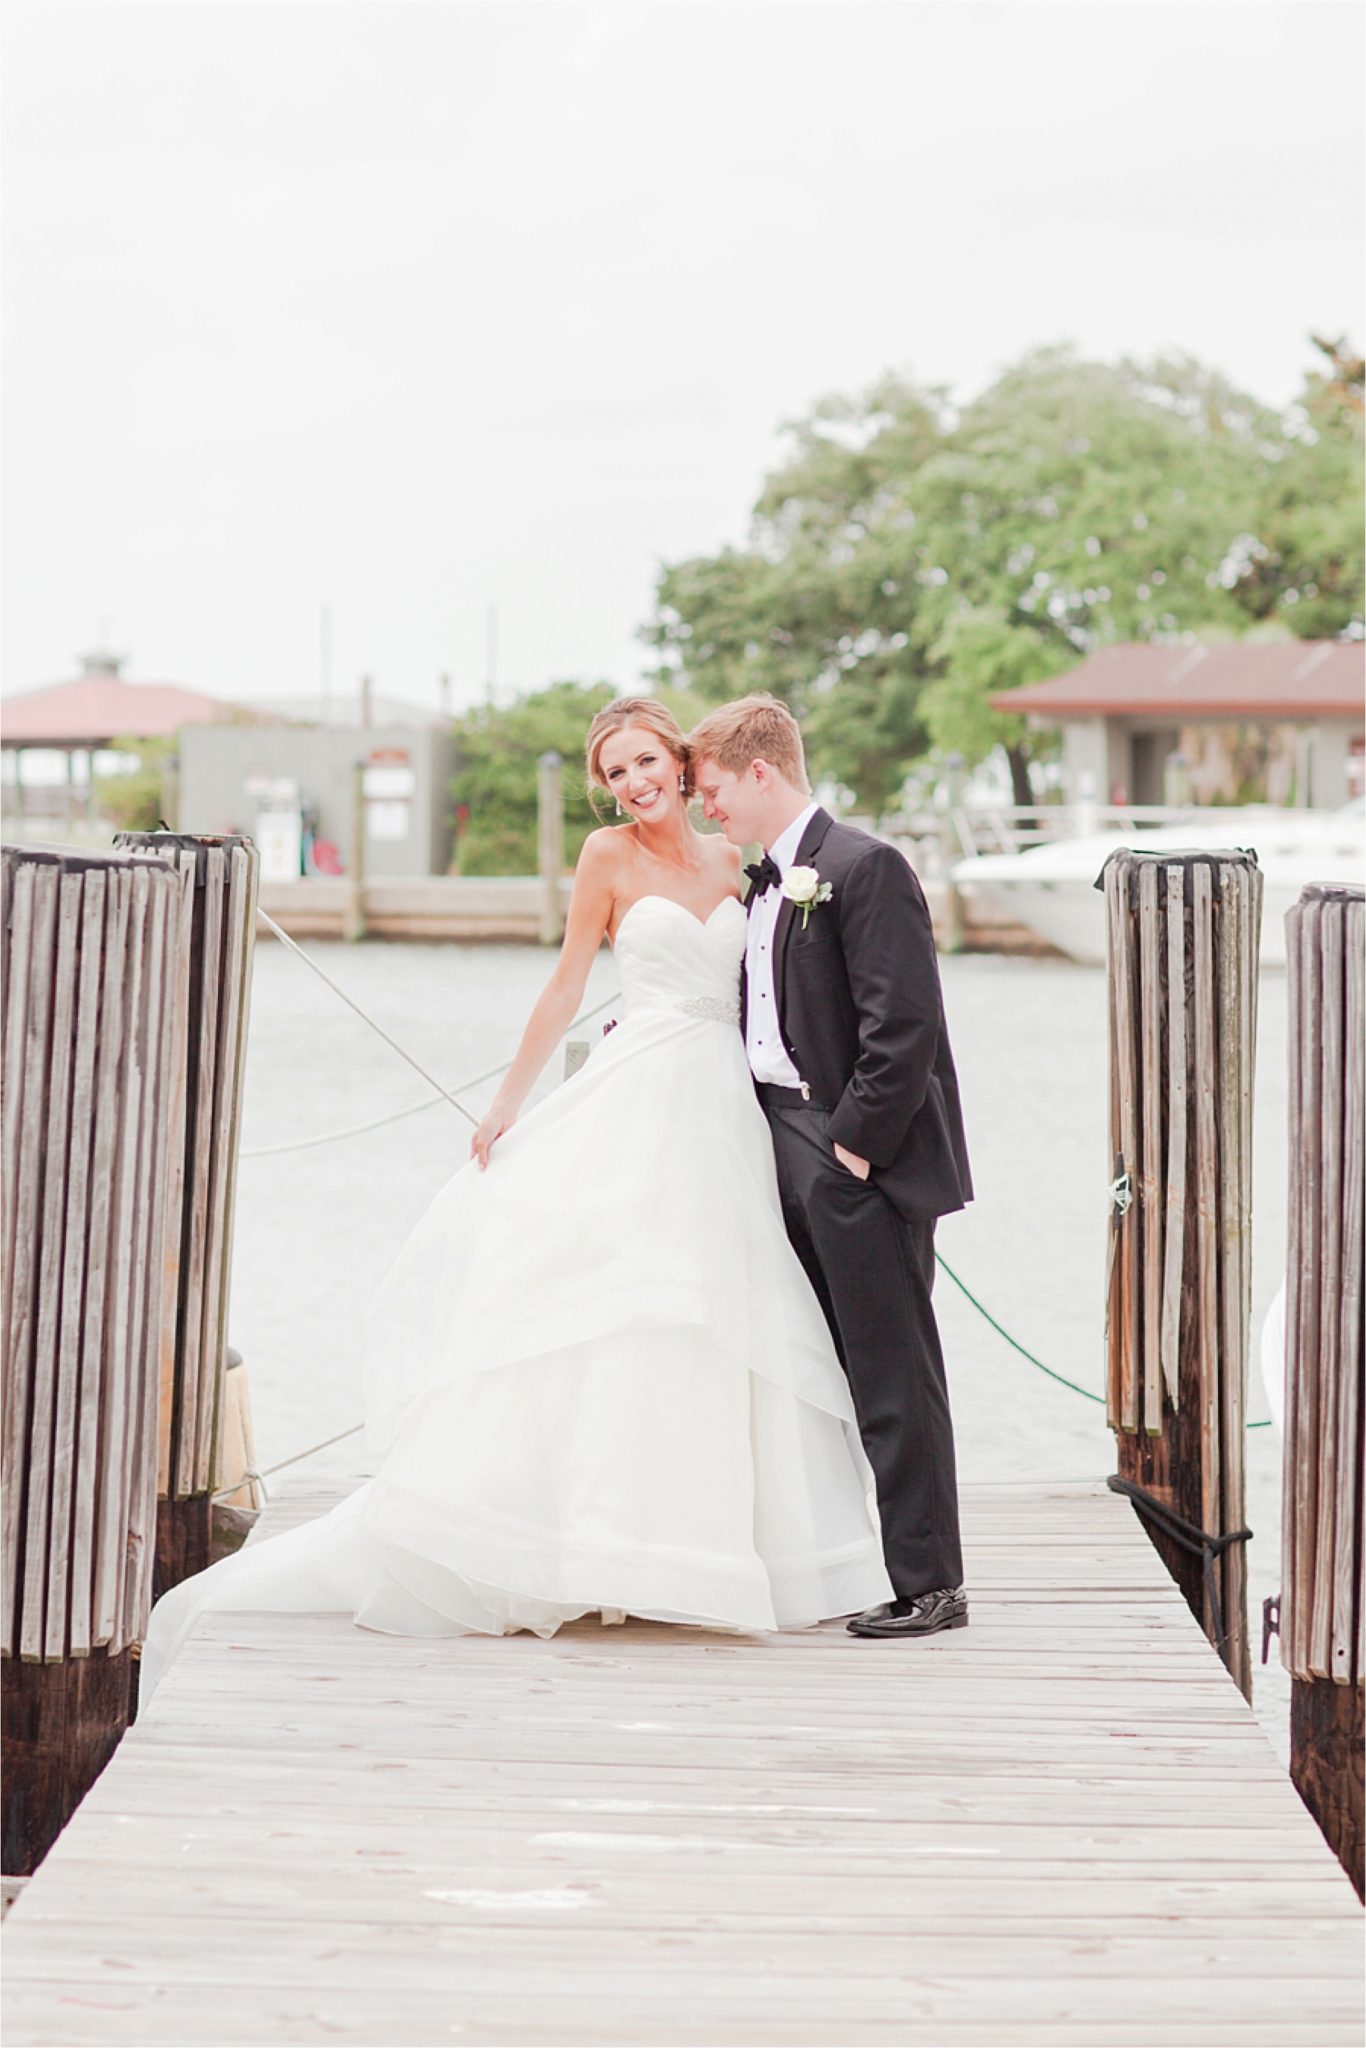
column 936, row 838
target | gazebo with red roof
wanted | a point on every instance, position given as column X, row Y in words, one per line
column 1282, row 720
column 98, row 707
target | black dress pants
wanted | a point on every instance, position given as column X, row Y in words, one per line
column 873, row 1272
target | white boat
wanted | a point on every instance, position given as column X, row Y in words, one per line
column 1051, row 888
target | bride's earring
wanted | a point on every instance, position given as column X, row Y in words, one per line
column 620, row 812
column 682, row 785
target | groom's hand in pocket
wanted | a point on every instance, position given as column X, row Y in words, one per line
column 860, row 1168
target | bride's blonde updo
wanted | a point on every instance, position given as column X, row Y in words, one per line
column 643, row 711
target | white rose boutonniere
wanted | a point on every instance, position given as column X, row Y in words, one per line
column 804, row 887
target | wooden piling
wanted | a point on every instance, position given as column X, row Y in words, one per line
column 550, row 845
column 1322, row 1603
column 353, row 913
column 239, row 1486
column 1182, row 943
column 240, row 1495
column 219, row 877
column 91, row 954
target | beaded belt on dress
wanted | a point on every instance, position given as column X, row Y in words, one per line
column 718, row 1008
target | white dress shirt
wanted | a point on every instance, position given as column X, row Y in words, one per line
column 768, row 1056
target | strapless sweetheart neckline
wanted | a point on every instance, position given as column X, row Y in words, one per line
column 653, row 896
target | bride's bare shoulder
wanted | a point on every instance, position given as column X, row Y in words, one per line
column 602, row 874
column 604, row 852
column 724, row 858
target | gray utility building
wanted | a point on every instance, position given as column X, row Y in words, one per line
column 292, row 787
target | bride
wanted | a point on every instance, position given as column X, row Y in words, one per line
column 597, row 1379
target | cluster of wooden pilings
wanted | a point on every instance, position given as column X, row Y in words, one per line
column 1322, row 1610
column 124, row 1016
column 1182, row 943
column 91, row 952
column 1182, row 938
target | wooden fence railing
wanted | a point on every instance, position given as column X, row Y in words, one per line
column 1322, row 1605
column 1182, row 942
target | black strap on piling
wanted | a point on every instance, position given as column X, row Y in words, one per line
column 1187, row 1536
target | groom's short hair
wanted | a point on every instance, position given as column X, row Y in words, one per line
column 757, row 728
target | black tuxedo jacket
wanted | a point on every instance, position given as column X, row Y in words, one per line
column 862, row 1016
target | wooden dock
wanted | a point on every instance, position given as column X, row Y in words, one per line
column 1062, row 1826
column 507, row 909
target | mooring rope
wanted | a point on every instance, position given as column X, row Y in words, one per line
column 376, row 1123
column 1014, row 1342
column 363, row 1014
column 1037, row 1363
column 413, row 1108
column 1117, row 1193
column 260, row 1478
column 1187, row 1536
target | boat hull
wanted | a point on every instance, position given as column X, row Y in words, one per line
column 1051, row 888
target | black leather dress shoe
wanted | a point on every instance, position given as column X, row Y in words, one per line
column 926, row 1615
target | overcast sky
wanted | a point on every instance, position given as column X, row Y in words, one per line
column 411, row 309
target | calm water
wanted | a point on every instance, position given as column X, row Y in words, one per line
column 315, row 1229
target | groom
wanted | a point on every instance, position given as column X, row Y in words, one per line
column 844, row 1026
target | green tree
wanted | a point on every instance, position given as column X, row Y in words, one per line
column 1076, row 504
column 980, row 653
column 717, row 624
column 864, row 731
column 494, row 787
column 814, row 609
column 906, row 564
column 1300, row 564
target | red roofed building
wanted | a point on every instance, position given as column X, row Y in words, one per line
column 101, row 706
column 81, row 717
column 1273, row 721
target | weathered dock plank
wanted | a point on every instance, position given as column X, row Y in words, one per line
column 1061, row 1826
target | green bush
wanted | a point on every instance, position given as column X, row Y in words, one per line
column 494, row 787
column 136, row 800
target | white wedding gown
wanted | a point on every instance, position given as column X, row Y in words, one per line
column 597, row 1379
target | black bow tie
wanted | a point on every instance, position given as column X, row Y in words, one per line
column 765, row 874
